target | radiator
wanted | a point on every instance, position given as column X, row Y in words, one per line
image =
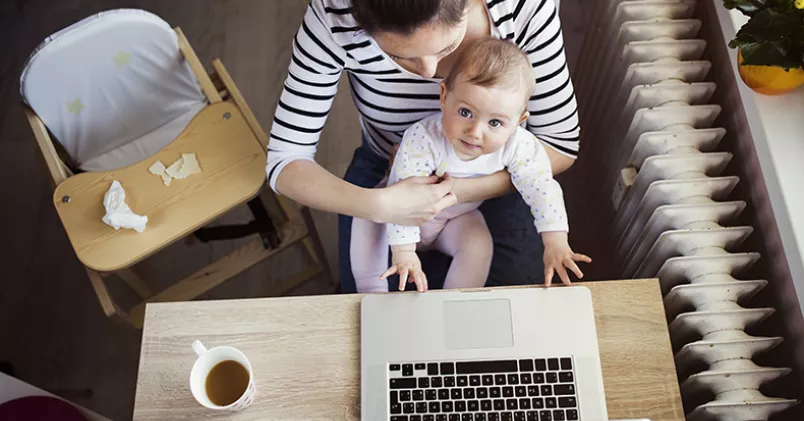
column 672, row 217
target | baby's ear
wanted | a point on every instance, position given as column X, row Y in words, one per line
column 443, row 86
column 524, row 117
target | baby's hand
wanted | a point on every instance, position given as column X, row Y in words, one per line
column 558, row 255
column 406, row 263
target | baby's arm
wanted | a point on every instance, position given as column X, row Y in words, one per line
column 416, row 156
column 531, row 174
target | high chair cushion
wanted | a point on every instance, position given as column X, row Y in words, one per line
column 113, row 89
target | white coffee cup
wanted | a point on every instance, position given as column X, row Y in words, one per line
column 208, row 359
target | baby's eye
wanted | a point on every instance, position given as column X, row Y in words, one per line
column 464, row 112
column 495, row 123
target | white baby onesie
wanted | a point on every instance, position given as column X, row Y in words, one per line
column 424, row 147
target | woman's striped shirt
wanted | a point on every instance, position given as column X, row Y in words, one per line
column 390, row 99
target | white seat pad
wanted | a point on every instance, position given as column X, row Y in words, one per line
column 113, row 88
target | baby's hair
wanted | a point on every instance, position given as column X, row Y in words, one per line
column 495, row 62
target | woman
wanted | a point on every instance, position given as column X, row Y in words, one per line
column 396, row 53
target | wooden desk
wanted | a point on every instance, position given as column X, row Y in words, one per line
column 306, row 359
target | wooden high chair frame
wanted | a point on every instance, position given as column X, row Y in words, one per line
column 294, row 225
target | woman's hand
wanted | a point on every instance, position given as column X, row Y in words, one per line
column 406, row 263
column 414, row 201
column 558, row 256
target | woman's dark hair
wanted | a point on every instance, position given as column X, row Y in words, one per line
column 406, row 16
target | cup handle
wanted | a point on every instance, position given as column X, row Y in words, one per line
column 198, row 347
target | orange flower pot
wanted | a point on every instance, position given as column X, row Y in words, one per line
column 769, row 80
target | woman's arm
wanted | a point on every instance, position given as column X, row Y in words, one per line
column 317, row 62
column 499, row 183
column 482, row 188
column 558, row 162
column 412, row 201
column 552, row 107
column 312, row 82
column 308, row 183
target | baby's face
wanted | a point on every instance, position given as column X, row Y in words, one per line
column 479, row 120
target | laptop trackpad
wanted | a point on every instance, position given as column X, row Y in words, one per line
column 478, row 324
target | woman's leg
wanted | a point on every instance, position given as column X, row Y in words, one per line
column 518, row 246
column 467, row 239
column 366, row 170
column 368, row 255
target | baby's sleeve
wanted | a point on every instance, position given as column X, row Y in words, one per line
column 417, row 156
column 532, row 176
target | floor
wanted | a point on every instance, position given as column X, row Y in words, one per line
column 51, row 326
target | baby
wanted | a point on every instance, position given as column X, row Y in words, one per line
column 483, row 102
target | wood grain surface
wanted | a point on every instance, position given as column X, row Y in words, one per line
column 232, row 162
column 306, row 359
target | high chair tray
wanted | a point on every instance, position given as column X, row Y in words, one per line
column 232, row 165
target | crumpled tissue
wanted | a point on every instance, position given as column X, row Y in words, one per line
column 118, row 214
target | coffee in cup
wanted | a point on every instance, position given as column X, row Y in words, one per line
column 222, row 378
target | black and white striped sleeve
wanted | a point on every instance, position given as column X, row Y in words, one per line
column 317, row 62
column 553, row 110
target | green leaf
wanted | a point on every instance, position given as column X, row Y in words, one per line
column 772, row 26
column 764, row 54
column 750, row 7
column 747, row 7
column 772, row 38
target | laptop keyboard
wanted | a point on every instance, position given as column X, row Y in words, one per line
column 541, row 389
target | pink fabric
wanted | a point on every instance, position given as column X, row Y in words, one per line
column 368, row 253
column 459, row 232
column 429, row 231
column 468, row 240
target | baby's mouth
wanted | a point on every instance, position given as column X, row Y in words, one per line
column 469, row 145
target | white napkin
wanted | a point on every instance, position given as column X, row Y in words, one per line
column 183, row 167
column 118, row 214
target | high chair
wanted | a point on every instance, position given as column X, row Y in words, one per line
column 120, row 90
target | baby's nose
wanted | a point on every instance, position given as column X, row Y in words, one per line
column 474, row 131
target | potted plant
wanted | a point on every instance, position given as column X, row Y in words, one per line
column 770, row 45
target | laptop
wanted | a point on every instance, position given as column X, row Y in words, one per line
column 527, row 354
